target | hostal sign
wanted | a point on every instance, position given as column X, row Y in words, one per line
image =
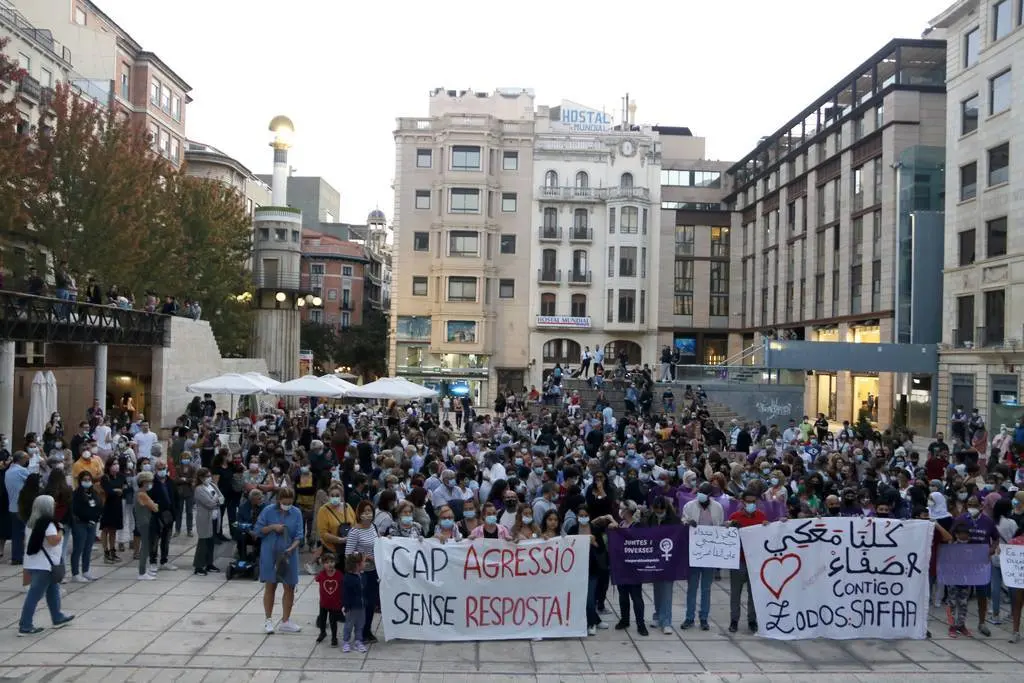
column 582, row 119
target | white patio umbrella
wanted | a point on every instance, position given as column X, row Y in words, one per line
column 37, row 415
column 347, row 376
column 267, row 382
column 233, row 383
column 395, row 388
column 339, row 382
column 310, row 385
column 51, row 394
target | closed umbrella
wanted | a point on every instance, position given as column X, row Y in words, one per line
column 51, row 394
column 37, row 415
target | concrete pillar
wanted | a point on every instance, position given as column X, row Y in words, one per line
column 7, row 389
column 279, row 185
column 99, row 381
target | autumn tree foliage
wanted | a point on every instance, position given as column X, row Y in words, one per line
column 88, row 189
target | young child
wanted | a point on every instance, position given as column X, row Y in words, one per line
column 352, row 603
column 329, row 579
column 957, row 604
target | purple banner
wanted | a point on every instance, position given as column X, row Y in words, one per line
column 774, row 510
column 964, row 564
column 646, row 554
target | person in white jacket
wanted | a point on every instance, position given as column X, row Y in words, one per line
column 702, row 511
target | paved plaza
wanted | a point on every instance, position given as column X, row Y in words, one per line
column 181, row 627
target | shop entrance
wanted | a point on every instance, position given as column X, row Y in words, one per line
column 865, row 397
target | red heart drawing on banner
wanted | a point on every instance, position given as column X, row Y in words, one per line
column 778, row 577
column 330, row 586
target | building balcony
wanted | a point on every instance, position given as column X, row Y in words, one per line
column 24, row 317
column 547, row 276
column 30, row 89
column 591, row 194
column 549, row 233
column 288, row 282
column 581, row 234
column 346, row 305
column 641, row 193
column 579, row 278
column 989, row 336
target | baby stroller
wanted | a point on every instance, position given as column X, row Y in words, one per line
column 248, row 548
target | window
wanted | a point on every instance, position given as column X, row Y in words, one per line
column 972, row 46
column 508, row 244
column 877, row 182
column 999, row 164
column 856, row 275
column 966, row 240
column 582, row 180
column 154, row 92
column 995, row 237
column 1001, row 19
column 964, row 331
column 165, row 99
column 547, row 303
column 462, row 289
column 879, row 115
column 421, row 241
column 719, row 240
column 510, row 161
column 165, row 142
column 463, row 243
column 611, row 221
column 465, row 158
column 346, row 271
column 580, row 268
column 549, row 265
column 332, row 295
column 79, row 16
column 629, row 220
column 857, row 241
column 45, row 78
column 719, row 288
column 626, row 180
column 464, row 200
column 858, row 189
column 176, row 107
column 419, row 285
column 579, row 306
column 424, row 158
column 509, row 200
column 819, row 296
column 125, row 80
column 627, row 305
column 999, row 92
column 876, row 284
column 995, row 317
column 968, row 181
column 506, row 288
column 580, row 221
column 627, row 261
column 346, row 320
column 707, row 179
column 550, row 179
column 683, row 287
column 174, row 149
column 422, row 199
column 969, row 114
column 550, row 221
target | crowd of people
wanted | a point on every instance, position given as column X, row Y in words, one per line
column 311, row 493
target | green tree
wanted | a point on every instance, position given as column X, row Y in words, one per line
column 321, row 340
column 364, row 348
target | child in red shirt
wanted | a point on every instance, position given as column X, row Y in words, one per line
column 329, row 580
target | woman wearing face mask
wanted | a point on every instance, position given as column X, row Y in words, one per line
column 86, row 511
column 383, row 518
column 89, row 462
column 662, row 514
column 776, row 490
column 280, row 525
column 525, row 527
column 1007, row 529
column 208, row 500
column 598, row 565
column 42, row 554
column 334, row 519
column 57, row 486
column 53, row 432
column 471, row 517
column 112, row 520
column 446, row 531
column 361, row 540
column 406, row 526
column 490, row 528
column 982, row 530
column 184, row 485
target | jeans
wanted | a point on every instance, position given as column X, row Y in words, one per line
column 737, row 579
column 64, row 547
column 42, row 584
column 17, row 539
column 145, row 541
column 593, row 618
column 997, row 590
column 81, row 552
column 663, row 602
column 699, row 577
column 632, row 593
column 603, row 579
column 159, row 536
column 354, row 624
column 371, row 596
column 183, row 505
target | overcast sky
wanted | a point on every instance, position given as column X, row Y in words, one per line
column 730, row 70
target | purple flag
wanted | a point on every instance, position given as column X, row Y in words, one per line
column 964, row 564
column 646, row 554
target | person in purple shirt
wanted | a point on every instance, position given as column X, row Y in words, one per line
column 660, row 488
column 982, row 530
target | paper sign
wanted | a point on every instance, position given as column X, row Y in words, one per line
column 1011, row 563
column 964, row 564
column 715, row 546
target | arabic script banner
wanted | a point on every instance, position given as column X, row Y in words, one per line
column 840, row 578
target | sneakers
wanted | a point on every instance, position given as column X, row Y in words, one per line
column 268, row 625
column 34, row 631
column 995, row 619
column 622, row 625
column 603, row 625
column 984, row 630
column 360, row 647
column 686, row 624
column 591, row 630
column 88, row 576
column 288, row 627
column 642, row 630
column 146, row 577
column 64, row 621
column 346, row 647
column 752, row 625
column 705, row 626
column 954, row 632
column 79, row 578
column 964, row 631
column 667, row 630
column 334, row 642
column 1015, row 638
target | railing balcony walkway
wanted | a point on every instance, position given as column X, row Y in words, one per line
column 24, row 317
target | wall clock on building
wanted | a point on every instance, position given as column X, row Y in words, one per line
column 628, row 148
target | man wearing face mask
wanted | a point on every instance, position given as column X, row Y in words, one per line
column 14, row 482
column 749, row 515
column 702, row 511
column 89, row 462
column 162, row 523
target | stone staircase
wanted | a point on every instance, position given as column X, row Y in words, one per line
column 615, row 393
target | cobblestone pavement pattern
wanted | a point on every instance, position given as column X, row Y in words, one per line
column 186, row 628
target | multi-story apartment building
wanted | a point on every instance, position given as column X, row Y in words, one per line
column 463, row 228
column 696, row 228
column 115, row 71
column 336, row 271
column 983, row 339
column 837, row 216
column 594, row 240
column 206, row 161
column 44, row 60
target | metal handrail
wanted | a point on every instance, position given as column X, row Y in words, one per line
column 27, row 317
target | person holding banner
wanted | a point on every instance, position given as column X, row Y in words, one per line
column 702, row 511
column 628, row 512
column 662, row 514
column 749, row 515
column 281, row 527
column 980, row 529
column 599, row 564
column 490, row 528
column 446, row 530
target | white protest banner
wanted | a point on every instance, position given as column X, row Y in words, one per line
column 1011, row 564
column 484, row 589
column 840, row 578
column 714, row 546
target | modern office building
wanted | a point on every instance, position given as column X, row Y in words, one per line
column 114, row 70
column 982, row 348
column 837, row 231
column 696, row 231
column 595, row 238
column 316, row 198
column 463, row 229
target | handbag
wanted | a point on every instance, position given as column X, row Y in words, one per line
column 57, row 571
